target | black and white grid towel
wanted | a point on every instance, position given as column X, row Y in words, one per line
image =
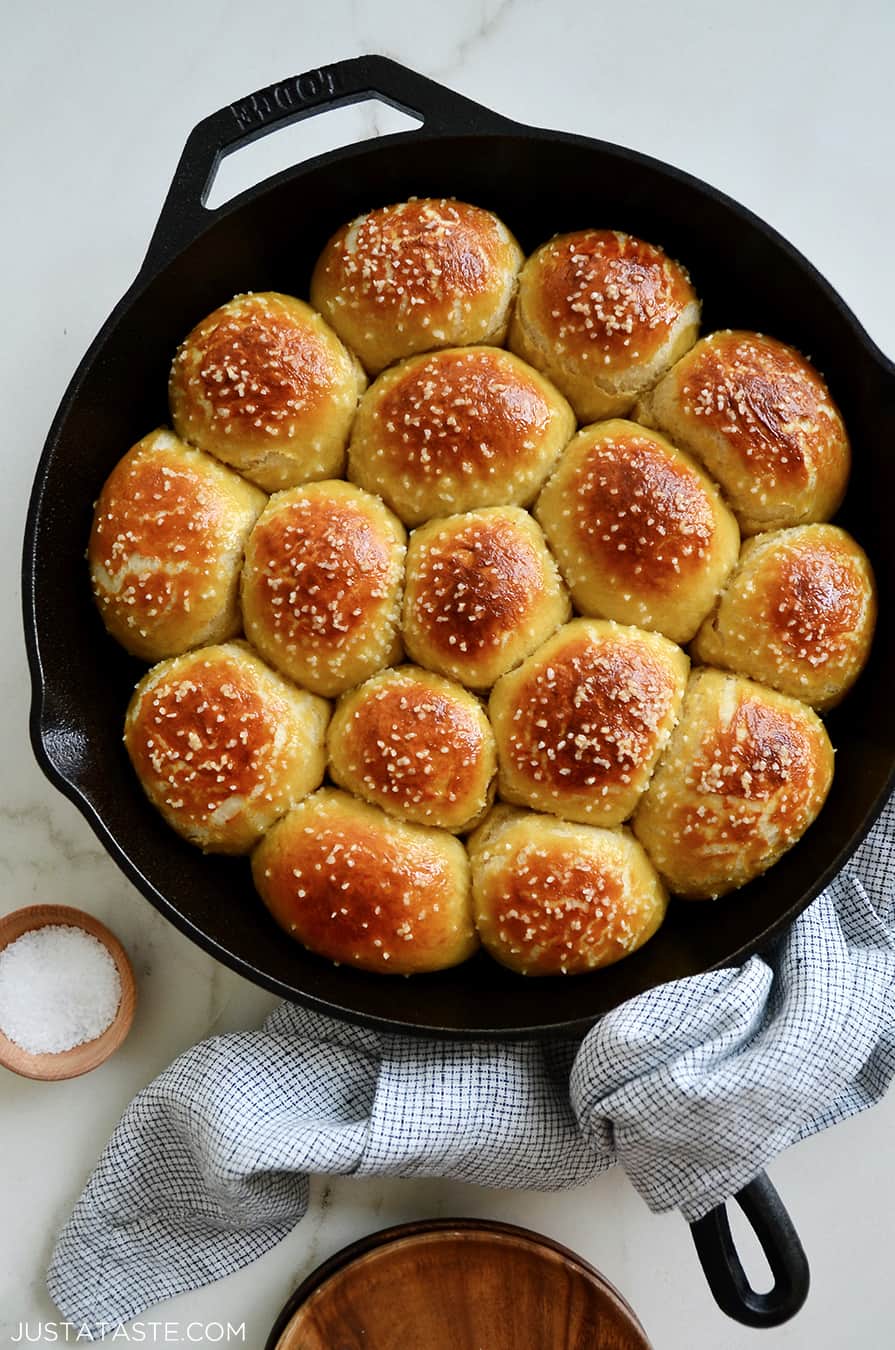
column 692, row 1088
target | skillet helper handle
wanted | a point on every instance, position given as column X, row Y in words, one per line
column 780, row 1243
column 184, row 214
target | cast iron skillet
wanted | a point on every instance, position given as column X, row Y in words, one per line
column 540, row 182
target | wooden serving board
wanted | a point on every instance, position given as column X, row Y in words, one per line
column 457, row 1285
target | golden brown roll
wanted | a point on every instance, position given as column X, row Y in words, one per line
column 321, row 586
column 798, row 614
column 264, row 384
column 581, row 723
column 453, row 430
column 552, row 898
column 761, row 420
column 482, row 592
column 641, row 534
column 417, row 745
column 431, row 272
column 223, row 746
column 361, row 888
column 603, row 315
column 165, row 551
column 745, row 773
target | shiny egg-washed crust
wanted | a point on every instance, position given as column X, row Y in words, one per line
column 482, row 592
column 417, row 745
column 745, row 773
column 641, row 533
column 265, row 384
column 798, row 614
column 166, row 548
column 603, row 315
column 362, row 889
column 422, row 274
column 580, row 725
column 457, row 429
column 223, row 746
column 761, row 420
column 321, row 585
column 553, row 898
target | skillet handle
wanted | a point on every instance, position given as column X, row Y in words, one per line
column 184, row 214
column 780, row 1243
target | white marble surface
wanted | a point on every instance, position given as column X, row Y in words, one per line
column 789, row 108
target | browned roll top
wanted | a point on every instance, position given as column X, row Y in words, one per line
column 206, row 740
column 415, row 744
column 766, row 400
column 590, row 719
column 612, row 295
column 759, row 751
column 480, row 588
column 645, row 515
column 815, row 602
column 321, row 570
column 253, row 366
column 461, row 410
column 428, row 251
column 354, row 885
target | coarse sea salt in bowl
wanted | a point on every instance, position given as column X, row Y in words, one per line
column 67, row 992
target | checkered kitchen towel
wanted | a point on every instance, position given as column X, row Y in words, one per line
column 692, row 1087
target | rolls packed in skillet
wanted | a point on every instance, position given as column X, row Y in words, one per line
column 593, row 727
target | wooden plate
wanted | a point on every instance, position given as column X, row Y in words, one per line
column 82, row 1058
column 457, row 1285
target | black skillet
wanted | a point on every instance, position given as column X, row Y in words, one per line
column 540, row 182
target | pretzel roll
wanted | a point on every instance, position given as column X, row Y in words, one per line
column 603, row 315
column 265, row 384
column 798, row 614
column 417, row 745
column 641, row 534
column 361, row 888
column 321, row 586
column 165, row 551
column 745, row 773
column 761, row 420
column 458, row 429
column 223, row 746
column 581, row 723
column 431, row 272
column 482, row 593
column 552, row 898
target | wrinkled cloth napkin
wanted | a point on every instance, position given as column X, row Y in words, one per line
column 693, row 1088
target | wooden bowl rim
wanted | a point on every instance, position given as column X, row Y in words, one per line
column 409, row 1234
column 80, row 1059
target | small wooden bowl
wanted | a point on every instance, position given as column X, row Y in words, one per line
column 82, row 1058
column 456, row 1284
